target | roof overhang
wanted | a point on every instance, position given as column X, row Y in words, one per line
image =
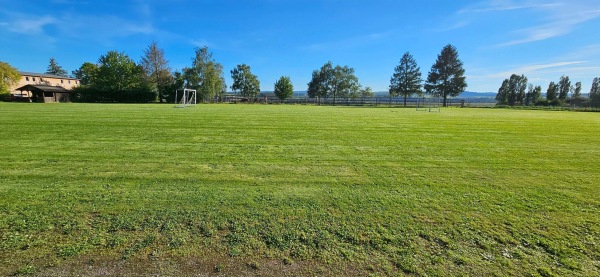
column 43, row 88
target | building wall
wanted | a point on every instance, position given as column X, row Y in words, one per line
column 28, row 78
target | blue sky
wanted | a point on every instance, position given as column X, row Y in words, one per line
column 494, row 38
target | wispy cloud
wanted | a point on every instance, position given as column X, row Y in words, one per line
column 29, row 26
column 558, row 26
column 99, row 28
column 559, row 18
column 531, row 69
column 504, row 5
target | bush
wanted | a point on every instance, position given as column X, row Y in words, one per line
column 578, row 101
column 542, row 102
column 93, row 95
column 595, row 100
column 555, row 103
column 5, row 97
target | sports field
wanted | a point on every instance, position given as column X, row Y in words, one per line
column 297, row 190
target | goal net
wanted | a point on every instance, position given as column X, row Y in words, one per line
column 188, row 97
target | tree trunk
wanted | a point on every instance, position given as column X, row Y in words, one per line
column 405, row 100
column 445, row 97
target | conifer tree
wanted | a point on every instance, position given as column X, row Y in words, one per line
column 446, row 77
column 406, row 79
column 55, row 69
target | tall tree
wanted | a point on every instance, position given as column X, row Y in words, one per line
column 552, row 92
column 503, row 92
column 344, row 82
column 446, row 77
column 157, row 69
column 564, row 87
column 537, row 94
column 86, row 73
column 8, row 77
column 595, row 89
column 244, row 81
column 55, row 69
column 320, row 84
column 577, row 90
column 406, row 79
column 178, row 83
column 517, row 86
column 595, row 92
column 533, row 95
column 117, row 72
column 284, row 88
column 329, row 81
column 205, row 75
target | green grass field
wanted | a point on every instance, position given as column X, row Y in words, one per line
column 297, row 190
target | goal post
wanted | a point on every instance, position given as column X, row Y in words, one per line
column 188, row 97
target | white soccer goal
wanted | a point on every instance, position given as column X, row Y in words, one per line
column 188, row 97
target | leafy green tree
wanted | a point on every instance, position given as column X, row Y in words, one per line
column 333, row 82
column 367, row 92
column 205, row 75
column 577, row 90
column 86, row 73
column 178, row 83
column 564, row 87
column 244, row 81
column 117, row 78
column 446, row 77
column 321, row 82
column 552, row 92
column 362, row 93
column 344, row 82
column 156, row 67
column 512, row 91
column 517, row 87
column 503, row 92
column 8, row 77
column 406, row 79
column 55, row 69
column 533, row 95
column 284, row 88
column 595, row 92
column 118, row 72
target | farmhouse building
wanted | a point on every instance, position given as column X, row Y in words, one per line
column 45, row 88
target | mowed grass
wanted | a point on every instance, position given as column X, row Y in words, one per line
column 276, row 190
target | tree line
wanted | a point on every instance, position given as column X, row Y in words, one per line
column 516, row 91
column 116, row 77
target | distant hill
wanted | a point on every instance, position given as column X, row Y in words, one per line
column 471, row 94
column 466, row 94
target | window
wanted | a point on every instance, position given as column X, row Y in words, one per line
column 62, row 81
column 33, row 79
column 27, row 79
column 69, row 81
